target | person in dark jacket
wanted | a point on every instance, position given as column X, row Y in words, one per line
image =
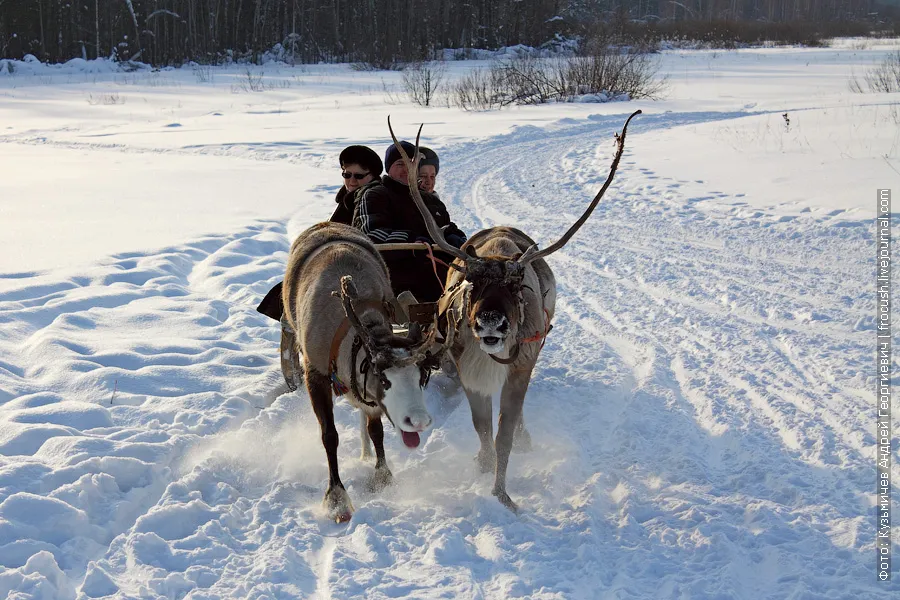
column 359, row 166
column 385, row 211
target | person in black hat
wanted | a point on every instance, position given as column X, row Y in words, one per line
column 428, row 169
column 359, row 166
column 385, row 211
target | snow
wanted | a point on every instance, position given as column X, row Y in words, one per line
column 702, row 411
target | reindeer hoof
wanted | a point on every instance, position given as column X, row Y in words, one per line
column 380, row 480
column 505, row 500
column 337, row 503
column 487, row 461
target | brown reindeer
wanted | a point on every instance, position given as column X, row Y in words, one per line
column 505, row 295
column 337, row 295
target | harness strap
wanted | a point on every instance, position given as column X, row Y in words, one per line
column 507, row 361
column 354, row 382
column 537, row 337
column 337, row 386
column 434, row 263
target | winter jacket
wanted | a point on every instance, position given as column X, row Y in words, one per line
column 385, row 211
column 344, row 211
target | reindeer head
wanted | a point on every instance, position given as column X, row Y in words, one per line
column 494, row 306
column 393, row 370
column 493, row 299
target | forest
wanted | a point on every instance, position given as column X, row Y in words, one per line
column 385, row 32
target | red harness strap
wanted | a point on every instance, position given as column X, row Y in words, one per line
column 434, row 263
column 539, row 336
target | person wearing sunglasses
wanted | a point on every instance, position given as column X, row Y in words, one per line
column 359, row 165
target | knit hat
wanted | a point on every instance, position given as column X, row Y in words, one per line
column 391, row 155
column 430, row 157
column 363, row 156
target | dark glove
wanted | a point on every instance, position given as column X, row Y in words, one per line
column 455, row 240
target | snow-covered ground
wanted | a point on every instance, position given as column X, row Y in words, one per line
column 703, row 412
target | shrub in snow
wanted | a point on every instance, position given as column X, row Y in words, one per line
column 422, row 81
column 479, row 89
column 883, row 78
column 602, row 75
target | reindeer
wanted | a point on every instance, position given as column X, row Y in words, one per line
column 504, row 294
column 337, row 281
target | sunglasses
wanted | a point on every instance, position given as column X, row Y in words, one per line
column 356, row 176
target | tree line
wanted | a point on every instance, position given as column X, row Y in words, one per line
column 378, row 32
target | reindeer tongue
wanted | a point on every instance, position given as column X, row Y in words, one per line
column 411, row 439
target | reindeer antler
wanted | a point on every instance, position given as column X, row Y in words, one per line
column 412, row 167
column 533, row 253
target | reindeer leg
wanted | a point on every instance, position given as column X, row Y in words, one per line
column 364, row 436
column 337, row 501
column 521, row 439
column 383, row 476
column 483, row 421
column 512, row 397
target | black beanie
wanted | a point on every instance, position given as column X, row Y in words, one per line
column 392, row 155
column 362, row 156
column 430, row 157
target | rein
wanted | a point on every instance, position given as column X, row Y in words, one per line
column 435, row 261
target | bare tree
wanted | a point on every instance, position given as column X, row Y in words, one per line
column 422, row 81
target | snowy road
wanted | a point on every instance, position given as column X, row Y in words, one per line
column 702, row 411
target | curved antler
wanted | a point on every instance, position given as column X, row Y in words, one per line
column 412, row 167
column 533, row 253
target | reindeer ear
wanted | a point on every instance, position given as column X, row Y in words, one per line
column 470, row 250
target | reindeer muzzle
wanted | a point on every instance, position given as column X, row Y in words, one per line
column 491, row 329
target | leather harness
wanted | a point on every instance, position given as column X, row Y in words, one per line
column 337, row 385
